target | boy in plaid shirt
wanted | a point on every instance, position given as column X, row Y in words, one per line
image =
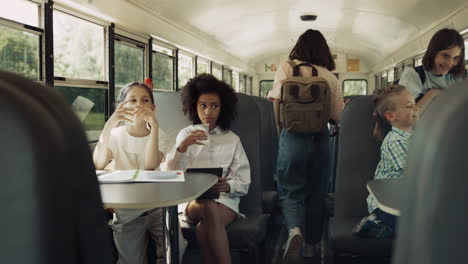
column 395, row 108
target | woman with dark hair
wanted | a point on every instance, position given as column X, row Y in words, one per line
column 303, row 158
column 212, row 103
column 443, row 65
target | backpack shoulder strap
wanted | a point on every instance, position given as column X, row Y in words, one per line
column 421, row 73
column 296, row 68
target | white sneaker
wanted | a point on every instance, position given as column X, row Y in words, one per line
column 293, row 247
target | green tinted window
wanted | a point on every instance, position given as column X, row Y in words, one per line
column 265, row 86
column 19, row 52
column 163, row 71
column 227, row 76
column 89, row 105
column 242, row 84
column 185, row 69
column 203, row 66
column 354, row 87
column 78, row 48
column 217, row 71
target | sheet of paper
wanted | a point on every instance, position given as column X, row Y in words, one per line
column 123, row 176
column 160, row 176
column 117, row 176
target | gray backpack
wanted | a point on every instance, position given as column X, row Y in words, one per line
column 305, row 102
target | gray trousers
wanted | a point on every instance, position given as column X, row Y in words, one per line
column 131, row 239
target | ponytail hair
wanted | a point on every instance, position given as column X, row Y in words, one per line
column 382, row 103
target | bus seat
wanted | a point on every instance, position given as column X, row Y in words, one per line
column 170, row 118
column 52, row 205
column 269, row 153
column 245, row 235
column 358, row 156
column 433, row 223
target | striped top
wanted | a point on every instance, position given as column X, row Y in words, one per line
column 393, row 154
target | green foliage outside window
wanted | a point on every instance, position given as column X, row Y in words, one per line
column 185, row 69
column 163, row 72
column 19, row 52
column 78, row 48
column 95, row 120
column 265, row 86
column 202, row 67
column 354, row 87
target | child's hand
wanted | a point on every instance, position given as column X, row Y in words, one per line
column 122, row 113
column 192, row 139
column 221, row 186
column 434, row 92
column 146, row 112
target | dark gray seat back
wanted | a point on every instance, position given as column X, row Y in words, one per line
column 247, row 126
column 433, row 223
column 50, row 192
column 268, row 142
column 359, row 153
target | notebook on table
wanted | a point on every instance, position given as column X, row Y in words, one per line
column 209, row 194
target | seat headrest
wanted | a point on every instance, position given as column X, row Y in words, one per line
column 432, row 228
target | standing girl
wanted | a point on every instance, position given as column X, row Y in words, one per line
column 209, row 101
column 133, row 145
column 443, row 63
column 302, row 158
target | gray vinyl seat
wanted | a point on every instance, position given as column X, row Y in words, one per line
column 358, row 156
column 52, row 205
column 433, row 223
column 269, row 153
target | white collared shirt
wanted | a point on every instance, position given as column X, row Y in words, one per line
column 225, row 150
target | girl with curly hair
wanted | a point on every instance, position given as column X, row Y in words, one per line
column 211, row 102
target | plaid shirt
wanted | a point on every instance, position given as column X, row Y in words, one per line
column 392, row 159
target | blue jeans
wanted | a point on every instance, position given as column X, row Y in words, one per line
column 302, row 171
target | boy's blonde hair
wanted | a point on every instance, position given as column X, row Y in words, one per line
column 383, row 102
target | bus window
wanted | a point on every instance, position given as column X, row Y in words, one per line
column 227, row 75
column 391, row 76
column 354, row 87
column 185, row 68
column 78, row 48
column 248, row 85
column 265, row 87
column 93, row 119
column 19, row 52
column 163, row 71
column 217, row 71
column 242, row 83
column 235, row 81
column 203, row 66
column 129, row 62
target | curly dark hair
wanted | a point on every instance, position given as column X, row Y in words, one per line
column 204, row 84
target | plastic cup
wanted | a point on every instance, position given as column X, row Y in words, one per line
column 206, row 128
